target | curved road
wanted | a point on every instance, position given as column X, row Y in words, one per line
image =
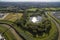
column 12, row 30
column 57, row 24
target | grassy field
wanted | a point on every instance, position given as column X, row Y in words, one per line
column 8, row 35
column 13, row 16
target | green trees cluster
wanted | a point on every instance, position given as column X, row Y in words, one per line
column 34, row 28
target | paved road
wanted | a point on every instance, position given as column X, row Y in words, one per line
column 13, row 31
column 58, row 26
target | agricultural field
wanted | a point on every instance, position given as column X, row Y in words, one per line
column 7, row 35
column 13, row 16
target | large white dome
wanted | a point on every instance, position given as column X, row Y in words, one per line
column 34, row 19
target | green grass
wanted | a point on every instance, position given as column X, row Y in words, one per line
column 8, row 35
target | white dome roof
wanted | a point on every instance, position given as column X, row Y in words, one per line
column 34, row 19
